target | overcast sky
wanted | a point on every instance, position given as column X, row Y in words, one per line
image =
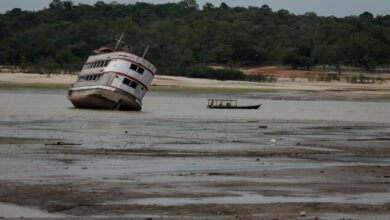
column 339, row 8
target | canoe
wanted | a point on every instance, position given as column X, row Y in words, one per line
column 235, row 107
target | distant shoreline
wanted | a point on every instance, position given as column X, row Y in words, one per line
column 194, row 85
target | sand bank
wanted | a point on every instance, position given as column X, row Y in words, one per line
column 334, row 90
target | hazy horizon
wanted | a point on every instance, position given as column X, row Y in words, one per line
column 339, row 8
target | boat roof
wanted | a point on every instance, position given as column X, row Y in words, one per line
column 102, row 52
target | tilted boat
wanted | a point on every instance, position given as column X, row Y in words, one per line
column 112, row 79
column 228, row 104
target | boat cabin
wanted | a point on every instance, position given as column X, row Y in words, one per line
column 212, row 103
column 228, row 104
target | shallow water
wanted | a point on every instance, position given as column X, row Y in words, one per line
column 196, row 138
column 14, row 211
column 47, row 105
column 247, row 198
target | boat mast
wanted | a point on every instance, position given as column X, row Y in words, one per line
column 120, row 41
column 146, row 50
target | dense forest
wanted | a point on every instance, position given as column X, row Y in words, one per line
column 185, row 35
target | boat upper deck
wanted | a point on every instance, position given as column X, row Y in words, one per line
column 104, row 55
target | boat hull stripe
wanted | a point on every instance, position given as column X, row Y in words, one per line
column 132, row 61
column 111, row 88
column 130, row 77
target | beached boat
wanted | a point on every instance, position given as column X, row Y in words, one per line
column 228, row 104
column 112, row 79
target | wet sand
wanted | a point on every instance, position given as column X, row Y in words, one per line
column 178, row 160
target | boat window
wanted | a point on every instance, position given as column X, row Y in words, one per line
column 133, row 85
column 106, row 63
column 133, row 67
column 126, row 81
column 94, row 77
column 140, row 70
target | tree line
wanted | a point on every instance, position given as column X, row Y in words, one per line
column 184, row 36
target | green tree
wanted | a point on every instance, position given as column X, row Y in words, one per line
column 181, row 35
column 189, row 4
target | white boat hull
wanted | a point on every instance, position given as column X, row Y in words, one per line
column 101, row 98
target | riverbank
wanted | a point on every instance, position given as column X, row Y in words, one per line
column 322, row 90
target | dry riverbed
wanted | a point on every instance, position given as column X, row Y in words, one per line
column 292, row 159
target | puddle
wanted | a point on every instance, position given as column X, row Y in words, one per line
column 20, row 140
column 336, row 216
column 355, row 159
column 146, row 168
column 323, row 149
column 14, row 211
column 247, row 198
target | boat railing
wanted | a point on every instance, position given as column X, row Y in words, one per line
column 222, row 102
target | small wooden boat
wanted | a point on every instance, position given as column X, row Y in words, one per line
column 228, row 104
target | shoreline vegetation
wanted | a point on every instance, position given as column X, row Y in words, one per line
column 185, row 38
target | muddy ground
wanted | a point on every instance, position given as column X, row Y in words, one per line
column 86, row 164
